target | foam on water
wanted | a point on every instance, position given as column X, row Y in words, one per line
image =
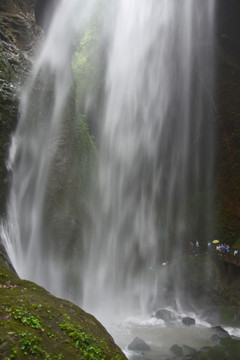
column 160, row 335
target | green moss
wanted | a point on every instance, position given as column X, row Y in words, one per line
column 30, row 344
column 23, row 316
column 88, row 344
column 87, row 61
column 34, row 324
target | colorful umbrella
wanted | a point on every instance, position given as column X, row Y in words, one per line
column 215, row 241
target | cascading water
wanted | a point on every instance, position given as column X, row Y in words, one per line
column 43, row 176
column 156, row 151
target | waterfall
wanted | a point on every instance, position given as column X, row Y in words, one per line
column 150, row 194
column 41, row 160
column 156, row 150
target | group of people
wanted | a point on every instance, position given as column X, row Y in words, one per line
column 225, row 249
column 222, row 248
column 193, row 248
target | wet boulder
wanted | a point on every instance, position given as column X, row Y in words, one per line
column 165, row 315
column 176, row 350
column 215, row 338
column 188, row 350
column 219, row 333
column 188, row 321
column 226, row 349
column 138, row 344
column 205, row 349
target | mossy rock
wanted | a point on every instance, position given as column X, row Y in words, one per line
column 36, row 325
column 228, row 349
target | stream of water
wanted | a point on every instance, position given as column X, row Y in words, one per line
column 156, row 157
column 160, row 336
column 156, row 150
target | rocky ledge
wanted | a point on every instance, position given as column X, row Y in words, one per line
column 36, row 325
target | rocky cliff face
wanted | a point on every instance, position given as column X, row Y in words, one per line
column 228, row 117
column 18, row 35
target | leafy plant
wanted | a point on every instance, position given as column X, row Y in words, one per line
column 13, row 354
column 30, row 344
column 23, row 316
column 84, row 342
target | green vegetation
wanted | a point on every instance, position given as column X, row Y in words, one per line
column 209, row 284
column 36, row 325
column 86, row 149
column 23, row 316
column 81, row 340
column 88, row 62
column 30, row 344
column 88, row 66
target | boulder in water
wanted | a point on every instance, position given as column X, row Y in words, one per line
column 138, row 344
column 188, row 350
column 176, row 350
column 205, row 348
column 188, row 321
column 215, row 338
column 219, row 333
column 166, row 315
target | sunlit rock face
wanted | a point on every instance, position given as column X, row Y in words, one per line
column 228, row 109
column 18, row 36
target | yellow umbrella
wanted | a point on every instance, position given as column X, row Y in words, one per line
column 215, row 241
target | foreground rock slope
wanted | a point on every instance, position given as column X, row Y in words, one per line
column 36, row 325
